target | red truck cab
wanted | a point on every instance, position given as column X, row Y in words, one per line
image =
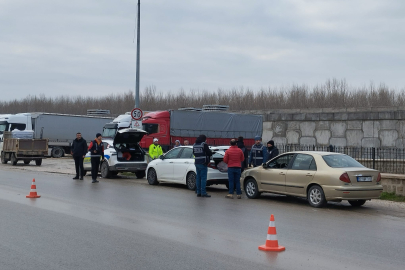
column 157, row 124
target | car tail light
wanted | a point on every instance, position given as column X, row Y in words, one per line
column 212, row 166
column 345, row 178
column 379, row 177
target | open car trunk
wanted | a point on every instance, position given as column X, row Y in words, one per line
column 126, row 143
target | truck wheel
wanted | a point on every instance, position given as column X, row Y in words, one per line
column 140, row 174
column 57, row 152
column 38, row 162
column 26, row 162
column 3, row 158
column 105, row 171
column 13, row 159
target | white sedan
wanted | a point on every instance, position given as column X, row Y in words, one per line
column 177, row 166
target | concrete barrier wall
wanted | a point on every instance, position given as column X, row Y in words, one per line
column 393, row 183
column 359, row 127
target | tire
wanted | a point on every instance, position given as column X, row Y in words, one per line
column 115, row 173
column 251, row 189
column 38, row 162
column 57, row 152
column 3, row 158
column 26, row 162
column 227, row 186
column 105, row 171
column 13, row 159
column 357, row 203
column 84, row 173
column 140, row 174
column 152, row 177
column 316, row 197
column 191, row 181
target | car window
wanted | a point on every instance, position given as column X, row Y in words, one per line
column 280, row 162
column 187, row 153
column 303, row 162
column 341, row 161
column 173, row 153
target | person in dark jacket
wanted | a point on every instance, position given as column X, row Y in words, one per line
column 96, row 149
column 234, row 158
column 202, row 154
column 272, row 150
column 241, row 146
column 258, row 153
column 78, row 151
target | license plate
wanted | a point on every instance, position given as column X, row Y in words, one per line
column 364, row 179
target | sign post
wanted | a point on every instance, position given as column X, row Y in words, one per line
column 136, row 115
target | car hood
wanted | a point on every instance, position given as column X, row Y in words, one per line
column 128, row 135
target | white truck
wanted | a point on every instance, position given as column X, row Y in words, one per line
column 59, row 129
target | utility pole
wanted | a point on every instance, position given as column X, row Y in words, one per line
column 138, row 55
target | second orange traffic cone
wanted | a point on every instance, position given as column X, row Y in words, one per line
column 271, row 241
column 33, row 191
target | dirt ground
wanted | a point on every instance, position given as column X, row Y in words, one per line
column 66, row 166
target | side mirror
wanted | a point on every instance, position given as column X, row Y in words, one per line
column 162, row 157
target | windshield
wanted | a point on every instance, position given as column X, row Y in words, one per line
column 3, row 127
column 109, row 132
column 341, row 161
column 151, row 128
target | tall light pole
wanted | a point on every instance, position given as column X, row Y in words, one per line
column 138, row 55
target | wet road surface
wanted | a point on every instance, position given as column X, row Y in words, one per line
column 127, row 224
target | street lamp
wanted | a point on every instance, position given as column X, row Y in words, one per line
column 138, row 55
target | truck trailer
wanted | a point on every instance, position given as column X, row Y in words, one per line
column 59, row 129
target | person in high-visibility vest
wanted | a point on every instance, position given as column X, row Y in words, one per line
column 155, row 150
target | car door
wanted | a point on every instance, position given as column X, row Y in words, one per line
column 181, row 164
column 301, row 173
column 164, row 168
column 273, row 175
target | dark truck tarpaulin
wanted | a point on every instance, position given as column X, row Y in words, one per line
column 215, row 124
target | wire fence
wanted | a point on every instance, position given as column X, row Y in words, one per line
column 386, row 160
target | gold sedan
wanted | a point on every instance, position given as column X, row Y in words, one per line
column 317, row 176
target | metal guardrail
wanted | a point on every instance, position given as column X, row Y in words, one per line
column 386, row 160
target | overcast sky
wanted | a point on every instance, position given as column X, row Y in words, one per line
column 88, row 47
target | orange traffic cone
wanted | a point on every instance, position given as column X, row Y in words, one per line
column 271, row 242
column 33, row 191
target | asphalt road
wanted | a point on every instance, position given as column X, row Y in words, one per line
column 127, row 224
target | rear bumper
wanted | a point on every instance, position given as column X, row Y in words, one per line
column 129, row 167
column 352, row 193
column 215, row 177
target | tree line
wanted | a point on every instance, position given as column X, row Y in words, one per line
column 332, row 94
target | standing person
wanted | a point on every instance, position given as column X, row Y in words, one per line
column 96, row 149
column 258, row 153
column 241, row 146
column 177, row 144
column 155, row 150
column 272, row 150
column 79, row 150
column 186, row 142
column 234, row 158
column 202, row 154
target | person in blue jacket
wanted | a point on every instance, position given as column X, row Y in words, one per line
column 258, row 153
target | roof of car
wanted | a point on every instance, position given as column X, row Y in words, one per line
column 321, row 153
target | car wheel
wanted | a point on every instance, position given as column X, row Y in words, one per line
column 26, row 162
column 140, row 174
column 38, row 162
column 3, row 158
column 357, row 203
column 105, row 171
column 152, row 177
column 57, row 152
column 316, row 197
column 13, row 159
column 84, row 173
column 190, row 181
column 251, row 189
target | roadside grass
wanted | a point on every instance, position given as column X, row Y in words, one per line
column 392, row 197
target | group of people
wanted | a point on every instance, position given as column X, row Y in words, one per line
column 79, row 150
column 235, row 157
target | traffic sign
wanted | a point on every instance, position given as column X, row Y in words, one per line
column 136, row 124
column 137, row 114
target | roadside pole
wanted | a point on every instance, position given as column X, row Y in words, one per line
column 138, row 55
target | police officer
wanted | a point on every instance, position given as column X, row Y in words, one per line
column 96, row 149
column 258, row 153
column 202, row 154
column 155, row 150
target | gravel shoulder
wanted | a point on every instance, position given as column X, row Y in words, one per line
column 66, row 166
